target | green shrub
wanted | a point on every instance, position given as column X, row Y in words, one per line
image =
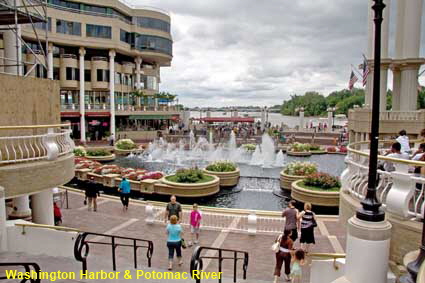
column 126, row 144
column 222, row 166
column 98, row 152
column 189, row 176
column 300, row 147
column 79, row 151
column 322, row 180
column 249, row 146
column 315, row 147
column 300, row 168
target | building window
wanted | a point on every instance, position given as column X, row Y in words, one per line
column 118, row 80
column 42, row 25
column 72, row 74
column 98, row 31
column 87, row 75
column 102, row 75
column 154, row 43
column 126, row 37
column 151, row 82
column 67, row 27
column 56, row 73
column 146, row 22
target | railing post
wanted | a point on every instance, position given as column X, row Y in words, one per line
column 135, row 253
column 50, row 144
column 114, row 265
column 252, row 223
column 220, row 259
column 150, row 217
column 399, row 195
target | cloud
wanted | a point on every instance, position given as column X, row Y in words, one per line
column 246, row 52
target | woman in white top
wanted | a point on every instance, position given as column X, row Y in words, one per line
column 403, row 139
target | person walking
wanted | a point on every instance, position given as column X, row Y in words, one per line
column 111, row 139
column 92, row 192
column 297, row 262
column 283, row 255
column 292, row 223
column 124, row 190
column 57, row 214
column 308, row 222
column 173, row 208
column 195, row 224
column 174, row 241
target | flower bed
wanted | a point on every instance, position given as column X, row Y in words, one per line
column 319, row 189
column 227, row 171
column 125, row 146
column 296, row 171
column 299, row 149
column 80, row 151
column 100, row 155
column 316, row 149
column 189, row 176
column 337, row 150
column 249, row 146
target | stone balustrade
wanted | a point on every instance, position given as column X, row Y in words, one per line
column 401, row 192
column 31, row 143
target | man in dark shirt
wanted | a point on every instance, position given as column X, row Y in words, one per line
column 291, row 222
column 92, row 192
column 173, row 208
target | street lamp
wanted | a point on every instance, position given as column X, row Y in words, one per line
column 371, row 208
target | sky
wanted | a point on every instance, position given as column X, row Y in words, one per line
column 246, row 52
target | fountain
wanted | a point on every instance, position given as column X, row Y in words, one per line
column 280, row 159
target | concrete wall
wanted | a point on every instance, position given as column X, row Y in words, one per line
column 405, row 234
column 28, row 101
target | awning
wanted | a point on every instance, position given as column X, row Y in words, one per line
column 98, row 114
column 228, row 119
column 152, row 117
column 70, row 114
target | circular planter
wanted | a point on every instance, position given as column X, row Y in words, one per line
column 124, row 151
column 318, row 152
column 188, row 190
column 319, row 198
column 227, row 179
column 302, row 154
column 286, row 180
column 102, row 158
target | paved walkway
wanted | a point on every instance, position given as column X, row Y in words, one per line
column 111, row 219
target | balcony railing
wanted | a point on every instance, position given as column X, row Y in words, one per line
column 72, row 56
column 72, row 106
column 91, row 106
column 401, row 191
column 33, row 143
column 399, row 115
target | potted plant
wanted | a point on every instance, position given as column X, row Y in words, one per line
column 125, row 146
column 299, row 149
column 192, row 182
column 319, row 189
column 227, row 171
column 295, row 171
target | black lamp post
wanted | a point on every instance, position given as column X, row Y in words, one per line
column 371, row 208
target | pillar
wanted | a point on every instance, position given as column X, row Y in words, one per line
column 396, row 89
column 50, row 61
column 263, row 118
column 3, row 231
column 12, row 51
column 82, row 97
column 138, row 83
column 330, row 119
column 301, row 119
column 412, row 28
column 373, row 239
column 409, row 88
column 21, row 207
column 112, row 89
column 42, row 207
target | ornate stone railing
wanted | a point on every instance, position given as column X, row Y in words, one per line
column 399, row 115
column 401, row 192
column 32, row 143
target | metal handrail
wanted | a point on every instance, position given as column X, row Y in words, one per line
column 196, row 262
column 27, row 266
column 34, row 127
column 350, row 149
column 81, row 243
column 43, row 226
column 324, row 256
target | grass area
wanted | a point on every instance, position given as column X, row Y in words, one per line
column 304, row 186
column 205, row 179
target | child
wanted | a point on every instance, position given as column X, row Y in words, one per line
column 57, row 214
column 297, row 262
column 195, row 223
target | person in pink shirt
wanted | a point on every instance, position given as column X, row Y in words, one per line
column 195, row 223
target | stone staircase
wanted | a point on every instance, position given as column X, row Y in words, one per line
column 53, row 264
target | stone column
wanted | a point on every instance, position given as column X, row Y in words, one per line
column 301, row 118
column 42, row 207
column 409, row 87
column 112, row 88
column 373, row 239
column 50, row 62
column 330, row 119
column 21, row 207
column 3, row 230
column 10, row 45
column 138, row 62
column 263, row 118
column 396, row 88
column 82, row 97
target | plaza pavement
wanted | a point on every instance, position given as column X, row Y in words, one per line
column 111, row 219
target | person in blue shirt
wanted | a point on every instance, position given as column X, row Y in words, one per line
column 174, row 241
column 124, row 189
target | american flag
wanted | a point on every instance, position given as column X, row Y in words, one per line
column 366, row 70
column 353, row 80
